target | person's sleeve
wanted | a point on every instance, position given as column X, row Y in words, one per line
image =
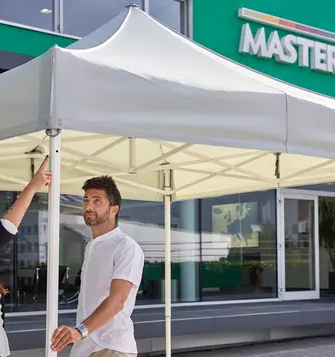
column 128, row 264
column 9, row 226
column 7, row 231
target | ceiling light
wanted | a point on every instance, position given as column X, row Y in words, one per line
column 46, row 11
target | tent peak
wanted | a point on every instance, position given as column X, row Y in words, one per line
column 132, row 5
column 106, row 32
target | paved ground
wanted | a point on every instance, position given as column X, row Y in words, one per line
column 28, row 332
column 317, row 347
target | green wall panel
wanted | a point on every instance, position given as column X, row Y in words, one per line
column 29, row 42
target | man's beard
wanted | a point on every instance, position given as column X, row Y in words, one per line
column 92, row 219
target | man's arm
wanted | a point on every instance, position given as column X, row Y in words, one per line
column 106, row 311
column 17, row 211
column 128, row 267
column 111, row 306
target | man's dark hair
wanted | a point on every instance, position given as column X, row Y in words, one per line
column 107, row 184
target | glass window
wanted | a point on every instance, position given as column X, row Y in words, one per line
column 7, row 257
column 144, row 222
column 327, row 245
column 32, row 267
column 234, row 256
column 299, row 245
column 27, row 274
column 166, row 11
column 81, row 17
column 23, row 247
column 37, row 13
column 239, row 247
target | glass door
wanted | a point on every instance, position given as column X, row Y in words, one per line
column 298, row 246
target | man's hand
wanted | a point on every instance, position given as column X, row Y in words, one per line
column 63, row 336
column 42, row 178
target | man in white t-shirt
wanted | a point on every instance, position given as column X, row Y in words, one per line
column 110, row 277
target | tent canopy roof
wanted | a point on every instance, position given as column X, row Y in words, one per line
column 217, row 124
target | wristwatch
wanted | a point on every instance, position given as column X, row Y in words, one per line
column 83, row 330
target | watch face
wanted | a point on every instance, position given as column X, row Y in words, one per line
column 83, row 330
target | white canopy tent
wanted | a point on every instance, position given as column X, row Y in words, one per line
column 166, row 117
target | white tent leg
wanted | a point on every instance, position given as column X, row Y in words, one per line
column 167, row 201
column 53, row 240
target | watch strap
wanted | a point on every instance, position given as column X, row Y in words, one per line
column 83, row 330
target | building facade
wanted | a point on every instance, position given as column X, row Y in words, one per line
column 259, row 246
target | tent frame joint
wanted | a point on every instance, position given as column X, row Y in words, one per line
column 52, row 133
column 277, row 165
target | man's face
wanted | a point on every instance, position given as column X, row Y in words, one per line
column 97, row 209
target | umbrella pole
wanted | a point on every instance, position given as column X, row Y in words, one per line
column 53, row 238
column 167, row 201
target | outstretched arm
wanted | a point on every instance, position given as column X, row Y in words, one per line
column 17, row 211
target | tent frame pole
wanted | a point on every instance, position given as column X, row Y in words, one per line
column 53, row 238
column 167, row 204
column 132, row 154
column 145, row 6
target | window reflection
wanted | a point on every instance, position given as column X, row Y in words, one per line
column 144, row 222
column 37, row 13
column 239, row 256
column 167, row 12
column 81, row 17
column 221, row 248
column 7, row 259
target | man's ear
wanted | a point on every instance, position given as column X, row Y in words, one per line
column 115, row 210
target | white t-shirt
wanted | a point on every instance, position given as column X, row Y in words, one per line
column 9, row 226
column 113, row 255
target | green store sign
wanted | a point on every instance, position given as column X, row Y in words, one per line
column 293, row 41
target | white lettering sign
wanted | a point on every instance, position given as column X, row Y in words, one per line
column 289, row 49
